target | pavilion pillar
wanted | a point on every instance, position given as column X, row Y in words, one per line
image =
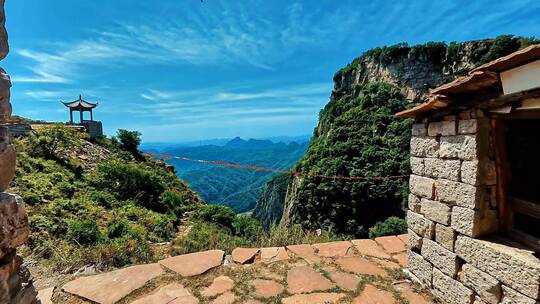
column 91, row 115
column 81, row 116
column 70, row 116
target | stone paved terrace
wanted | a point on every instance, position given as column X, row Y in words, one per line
column 359, row 271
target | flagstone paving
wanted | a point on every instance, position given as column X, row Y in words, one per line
column 359, row 271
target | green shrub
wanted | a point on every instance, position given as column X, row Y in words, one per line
column 282, row 235
column 131, row 181
column 248, row 227
column 83, row 232
column 118, row 228
column 216, row 214
column 164, row 229
column 49, row 141
column 176, row 202
column 205, row 236
column 391, row 226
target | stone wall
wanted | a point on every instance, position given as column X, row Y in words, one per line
column 454, row 248
column 15, row 280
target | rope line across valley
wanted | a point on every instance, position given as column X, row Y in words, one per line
column 295, row 173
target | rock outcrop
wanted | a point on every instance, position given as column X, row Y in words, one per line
column 15, row 280
column 269, row 208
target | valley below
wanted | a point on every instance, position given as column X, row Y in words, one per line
column 237, row 188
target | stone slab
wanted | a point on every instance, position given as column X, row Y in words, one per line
column 345, row 281
column 369, row 247
column 271, row 255
column 193, row 264
column 314, row 298
column 306, row 252
column 391, row 244
column 109, row 288
column 244, row 255
column 45, row 295
column 374, row 295
column 359, row 265
column 408, row 292
column 304, row 279
column 226, row 298
column 333, row 249
column 167, row 294
column 220, row 285
column 267, row 288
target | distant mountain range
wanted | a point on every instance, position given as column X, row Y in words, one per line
column 237, row 188
column 222, row 142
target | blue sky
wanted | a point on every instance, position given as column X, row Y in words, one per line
column 180, row 70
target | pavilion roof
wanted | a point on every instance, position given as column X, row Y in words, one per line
column 80, row 104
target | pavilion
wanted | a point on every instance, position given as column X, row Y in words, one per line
column 80, row 106
column 92, row 127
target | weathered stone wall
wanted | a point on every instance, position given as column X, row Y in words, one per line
column 15, row 280
column 453, row 208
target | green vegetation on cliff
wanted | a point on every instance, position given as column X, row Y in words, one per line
column 442, row 54
column 96, row 202
column 358, row 135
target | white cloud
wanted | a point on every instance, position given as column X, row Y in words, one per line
column 45, row 95
column 227, row 35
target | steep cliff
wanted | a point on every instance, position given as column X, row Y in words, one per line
column 358, row 135
column 270, row 203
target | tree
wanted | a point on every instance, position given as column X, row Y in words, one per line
column 129, row 140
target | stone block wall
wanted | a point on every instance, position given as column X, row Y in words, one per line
column 452, row 209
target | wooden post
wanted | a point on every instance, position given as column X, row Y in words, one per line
column 91, row 115
column 81, row 115
column 70, row 116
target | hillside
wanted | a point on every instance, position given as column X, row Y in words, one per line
column 236, row 188
column 358, row 135
column 95, row 202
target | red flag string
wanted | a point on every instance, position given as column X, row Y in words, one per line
column 295, row 173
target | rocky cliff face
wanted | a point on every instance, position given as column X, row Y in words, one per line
column 15, row 280
column 269, row 208
column 413, row 71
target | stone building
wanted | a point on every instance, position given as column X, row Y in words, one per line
column 474, row 203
